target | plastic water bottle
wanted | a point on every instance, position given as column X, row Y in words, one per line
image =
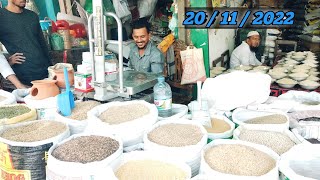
column 163, row 98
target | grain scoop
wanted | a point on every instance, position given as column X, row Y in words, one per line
column 199, row 113
column 66, row 99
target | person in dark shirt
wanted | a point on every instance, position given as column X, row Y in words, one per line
column 22, row 36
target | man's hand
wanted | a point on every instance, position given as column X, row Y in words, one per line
column 17, row 58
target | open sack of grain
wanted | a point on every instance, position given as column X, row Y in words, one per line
column 7, row 98
column 129, row 120
column 221, row 127
column 270, row 119
column 15, row 113
column 78, row 119
column 180, row 140
column 25, row 146
column 301, row 162
column 280, row 141
column 235, row 159
column 85, row 156
column 46, row 108
column 148, row 165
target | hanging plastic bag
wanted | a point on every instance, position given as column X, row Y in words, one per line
column 146, row 7
column 122, row 10
column 56, row 42
column 193, row 66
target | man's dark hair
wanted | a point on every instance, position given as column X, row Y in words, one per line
column 141, row 23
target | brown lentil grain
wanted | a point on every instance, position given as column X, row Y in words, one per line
column 86, row 149
column 239, row 160
column 81, row 109
column 35, row 131
column 125, row 113
column 150, row 169
column 176, row 135
column 270, row 119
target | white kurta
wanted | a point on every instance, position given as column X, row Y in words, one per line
column 242, row 55
column 5, row 68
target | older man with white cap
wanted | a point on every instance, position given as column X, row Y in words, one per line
column 245, row 53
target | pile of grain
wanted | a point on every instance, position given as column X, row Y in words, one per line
column 218, row 126
column 277, row 141
column 2, row 98
column 13, row 111
column 81, row 109
column 239, row 160
column 176, row 135
column 125, row 113
column 149, row 169
column 270, row 119
column 36, row 131
column 86, row 149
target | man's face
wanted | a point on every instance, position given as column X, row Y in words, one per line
column 19, row 3
column 141, row 37
column 254, row 41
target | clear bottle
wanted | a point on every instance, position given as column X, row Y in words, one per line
column 163, row 98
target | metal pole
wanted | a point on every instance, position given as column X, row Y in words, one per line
column 120, row 48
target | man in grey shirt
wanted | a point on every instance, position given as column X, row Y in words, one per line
column 144, row 55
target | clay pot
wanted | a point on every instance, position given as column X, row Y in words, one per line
column 43, row 89
column 59, row 76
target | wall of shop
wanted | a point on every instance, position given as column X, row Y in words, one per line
column 220, row 40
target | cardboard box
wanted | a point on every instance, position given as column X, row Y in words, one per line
column 82, row 82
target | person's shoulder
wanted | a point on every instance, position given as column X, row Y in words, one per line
column 30, row 13
column 154, row 48
column 2, row 11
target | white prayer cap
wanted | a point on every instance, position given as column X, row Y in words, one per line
column 252, row 33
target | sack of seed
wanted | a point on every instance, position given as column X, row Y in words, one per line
column 279, row 141
column 78, row 119
column 86, row 156
column 129, row 120
column 7, row 98
column 181, row 140
column 148, row 165
column 25, row 146
column 271, row 119
column 238, row 160
column 301, row 162
column 15, row 113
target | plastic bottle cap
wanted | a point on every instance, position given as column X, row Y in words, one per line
column 161, row 79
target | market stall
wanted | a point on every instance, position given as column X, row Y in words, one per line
column 95, row 117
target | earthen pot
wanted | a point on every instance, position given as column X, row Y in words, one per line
column 59, row 76
column 43, row 89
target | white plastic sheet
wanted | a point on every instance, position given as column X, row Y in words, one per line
column 306, row 100
column 229, row 91
column 301, row 162
column 10, row 98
